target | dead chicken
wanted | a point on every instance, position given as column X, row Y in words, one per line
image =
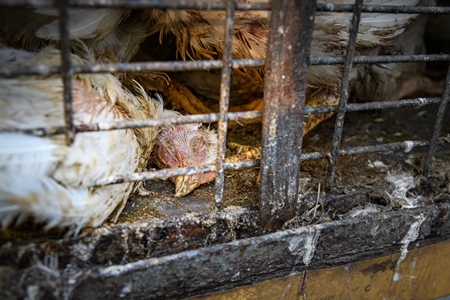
column 53, row 182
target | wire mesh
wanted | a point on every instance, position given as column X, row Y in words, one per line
column 66, row 72
column 227, row 64
column 344, row 91
column 224, row 101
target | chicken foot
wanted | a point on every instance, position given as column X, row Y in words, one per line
column 182, row 98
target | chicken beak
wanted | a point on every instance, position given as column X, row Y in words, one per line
column 184, row 185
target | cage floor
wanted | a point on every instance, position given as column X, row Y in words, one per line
column 365, row 170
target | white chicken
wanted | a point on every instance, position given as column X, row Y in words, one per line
column 112, row 35
column 44, row 178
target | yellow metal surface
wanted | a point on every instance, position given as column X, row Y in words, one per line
column 423, row 274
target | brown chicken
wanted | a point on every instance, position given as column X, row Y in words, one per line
column 200, row 35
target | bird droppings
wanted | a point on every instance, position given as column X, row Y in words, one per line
column 377, row 164
column 310, row 245
column 160, row 240
column 411, row 236
column 241, row 189
column 403, row 183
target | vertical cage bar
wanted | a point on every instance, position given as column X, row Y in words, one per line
column 66, row 73
column 224, row 101
column 354, row 26
column 437, row 125
column 284, row 100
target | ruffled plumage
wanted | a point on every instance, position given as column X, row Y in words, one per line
column 45, row 178
column 200, row 35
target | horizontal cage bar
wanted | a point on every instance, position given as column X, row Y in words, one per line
column 232, row 116
column 175, row 66
column 179, row 4
column 167, row 173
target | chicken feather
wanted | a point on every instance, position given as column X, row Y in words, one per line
column 50, row 181
column 83, row 23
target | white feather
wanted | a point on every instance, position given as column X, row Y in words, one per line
column 26, row 155
column 84, row 24
column 44, row 178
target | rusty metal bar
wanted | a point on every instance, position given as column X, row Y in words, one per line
column 169, row 66
column 374, row 105
column 160, row 4
column 354, row 26
column 437, row 125
column 400, row 9
column 206, row 118
column 284, row 100
column 405, row 145
column 339, row 60
column 66, row 74
column 167, row 173
column 175, row 66
column 210, row 118
column 224, row 101
column 180, row 4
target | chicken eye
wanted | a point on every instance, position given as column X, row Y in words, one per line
column 197, row 143
column 165, row 154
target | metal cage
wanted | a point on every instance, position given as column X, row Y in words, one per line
column 172, row 252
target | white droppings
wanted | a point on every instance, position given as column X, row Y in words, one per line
column 374, row 230
column 294, row 243
column 33, row 292
column 403, row 183
column 310, row 245
column 281, row 30
column 408, row 146
column 127, row 288
column 370, row 208
column 236, row 276
column 414, row 261
column 377, row 164
column 283, row 77
column 421, row 113
column 411, row 236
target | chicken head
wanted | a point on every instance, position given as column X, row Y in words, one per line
column 187, row 145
